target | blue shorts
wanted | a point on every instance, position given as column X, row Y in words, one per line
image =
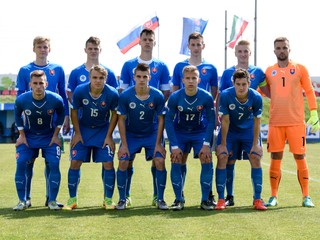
column 192, row 140
column 238, row 145
column 51, row 153
column 83, row 153
column 37, row 142
column 135, row 145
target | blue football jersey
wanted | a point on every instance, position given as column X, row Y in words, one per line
column 55, row 77
column 241, row 114
column 208, row 75
column 141, row 115
column 80, row 75
column 39, row 121
column 187, row 114
column 94, row 113
column 159, row 72
column 257, row 76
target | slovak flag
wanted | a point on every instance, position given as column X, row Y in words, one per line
column 238, row 27
column 133, row 37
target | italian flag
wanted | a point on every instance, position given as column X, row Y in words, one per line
column 238, row 27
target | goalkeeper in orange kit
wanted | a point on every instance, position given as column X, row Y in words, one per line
column 287, row 80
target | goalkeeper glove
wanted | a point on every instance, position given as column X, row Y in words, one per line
column 314, row 121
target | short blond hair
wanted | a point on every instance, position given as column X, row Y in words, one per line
column 99, row 69
column 190, row 68
column 40, row 39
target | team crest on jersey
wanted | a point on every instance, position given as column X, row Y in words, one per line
column 250, row 108
column 74, row 153
column 83, row 78
column 204, row 71
column 274, row 72
column 199, row 108
column 132, row 105
column 103, row 104
column 27, row 112
column 151, row 105
column 292, row 71
column 180, row 108
column 50, row 111
column 232, row 106
column 17, row 155
column 85, row 101
column 51, row 72
column 251, row 76
column 154, row 70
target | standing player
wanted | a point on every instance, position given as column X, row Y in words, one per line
column 40, row 131
column 257, row 81
column 241, row 110
column 93, row 127
column 56, row 83
column 208, row 73
column 160, row 78
column 287, row 81
column 141, row 125
column 189, row 124
column 208, row 79
column 80, row 74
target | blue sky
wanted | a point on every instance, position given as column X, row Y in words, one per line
column 70, row 23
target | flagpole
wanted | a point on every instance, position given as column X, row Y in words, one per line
column 158, row 43
column 225, row 39
column 255, row 33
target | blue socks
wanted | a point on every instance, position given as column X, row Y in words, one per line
column 130, row 172
column 206, row 176
column 177, row 181
column 221, row 175
column 256, row 176
column 161, row 180
column 122, row 183
column 230, row 179
column 73, row 182
column 109, row 178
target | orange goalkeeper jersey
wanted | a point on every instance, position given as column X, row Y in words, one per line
column 287, row 101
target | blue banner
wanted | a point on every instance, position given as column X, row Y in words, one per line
column 191, row 25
